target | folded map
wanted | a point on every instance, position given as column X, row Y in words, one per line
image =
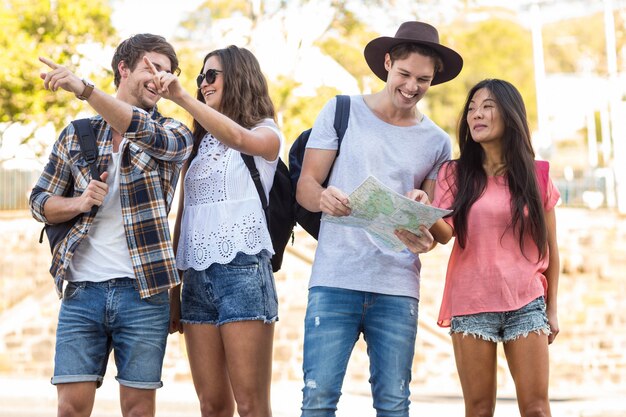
column 380, row 211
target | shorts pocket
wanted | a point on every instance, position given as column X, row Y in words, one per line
column 269, row 278
column 243, row 261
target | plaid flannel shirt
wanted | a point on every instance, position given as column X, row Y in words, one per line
column 151, row 159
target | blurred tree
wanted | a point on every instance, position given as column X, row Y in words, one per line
column 335, row 31
column 491, row 48
column 344, row 42
column 60, row 30
column 579, row 46
column 297, row 113
column 497, row 47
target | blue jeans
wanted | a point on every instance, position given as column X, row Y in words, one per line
column 97, row 317
column 334, row 320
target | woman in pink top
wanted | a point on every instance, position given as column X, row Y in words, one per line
column 502, row 277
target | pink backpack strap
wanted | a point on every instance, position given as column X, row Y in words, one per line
column 543, row 175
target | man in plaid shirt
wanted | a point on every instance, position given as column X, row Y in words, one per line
column 119, row 263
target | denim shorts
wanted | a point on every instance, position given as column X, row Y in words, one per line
column 241, row 290
column 506, row 326
column 97, row 317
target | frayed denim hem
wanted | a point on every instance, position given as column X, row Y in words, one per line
column 211, row 323
column 504, row 326
column 233, row 320
column 539, row 331
column 264, row 318
column 492, row 339
column 477, row 335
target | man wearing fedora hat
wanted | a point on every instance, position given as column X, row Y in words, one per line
column 358, row 286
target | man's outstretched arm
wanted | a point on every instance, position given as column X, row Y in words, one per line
column 116, row 112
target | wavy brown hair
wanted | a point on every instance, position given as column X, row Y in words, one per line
column 470, row 179
column 245, row 96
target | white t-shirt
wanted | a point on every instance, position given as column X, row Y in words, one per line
column 402, row 158
column 223, row 214
column 103, row 254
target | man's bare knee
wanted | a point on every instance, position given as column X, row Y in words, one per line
column 137, row 402
column 69, row 409
column 75, row 399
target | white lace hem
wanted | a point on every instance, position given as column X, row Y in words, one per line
column 215, row 233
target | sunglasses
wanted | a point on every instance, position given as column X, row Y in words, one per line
column 210, row 76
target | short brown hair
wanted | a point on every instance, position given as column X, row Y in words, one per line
column 403, row 50
column 134, row 48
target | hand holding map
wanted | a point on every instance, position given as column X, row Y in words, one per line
column 380, row 211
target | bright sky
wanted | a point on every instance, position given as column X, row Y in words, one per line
column 160, row 17
column 163, row 16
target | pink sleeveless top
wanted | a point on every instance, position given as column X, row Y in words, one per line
column 491, row 274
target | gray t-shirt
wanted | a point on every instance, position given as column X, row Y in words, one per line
column 402, row 158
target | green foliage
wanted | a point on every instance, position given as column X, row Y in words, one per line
column 344, row 42
column 497, row 47
column 297, row 113
column 491, row 48
column 53, row 29
column 221, row 9
column 579, row 45
column 294, row 113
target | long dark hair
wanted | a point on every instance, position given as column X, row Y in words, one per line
column 245, row 96
column 470, row 178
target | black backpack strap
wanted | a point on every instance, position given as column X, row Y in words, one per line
column 342, row 116
column 256, row 178
column 89, row 148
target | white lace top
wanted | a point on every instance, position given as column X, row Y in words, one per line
column 223, row 213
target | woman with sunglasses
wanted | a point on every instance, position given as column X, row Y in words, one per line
column 229, row 303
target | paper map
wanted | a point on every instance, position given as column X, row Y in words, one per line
column 380, row 210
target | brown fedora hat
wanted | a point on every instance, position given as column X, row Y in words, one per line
column 421, row 34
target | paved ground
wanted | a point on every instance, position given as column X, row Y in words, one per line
column 37, row 398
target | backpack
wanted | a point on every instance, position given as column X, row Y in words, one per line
column 279, row 211
column 282, row 211
column 310, row 221
column 88, row 148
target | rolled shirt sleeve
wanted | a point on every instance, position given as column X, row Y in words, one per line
column 54, row 180
column 169, row 140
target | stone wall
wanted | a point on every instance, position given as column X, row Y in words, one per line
column 587, row 357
